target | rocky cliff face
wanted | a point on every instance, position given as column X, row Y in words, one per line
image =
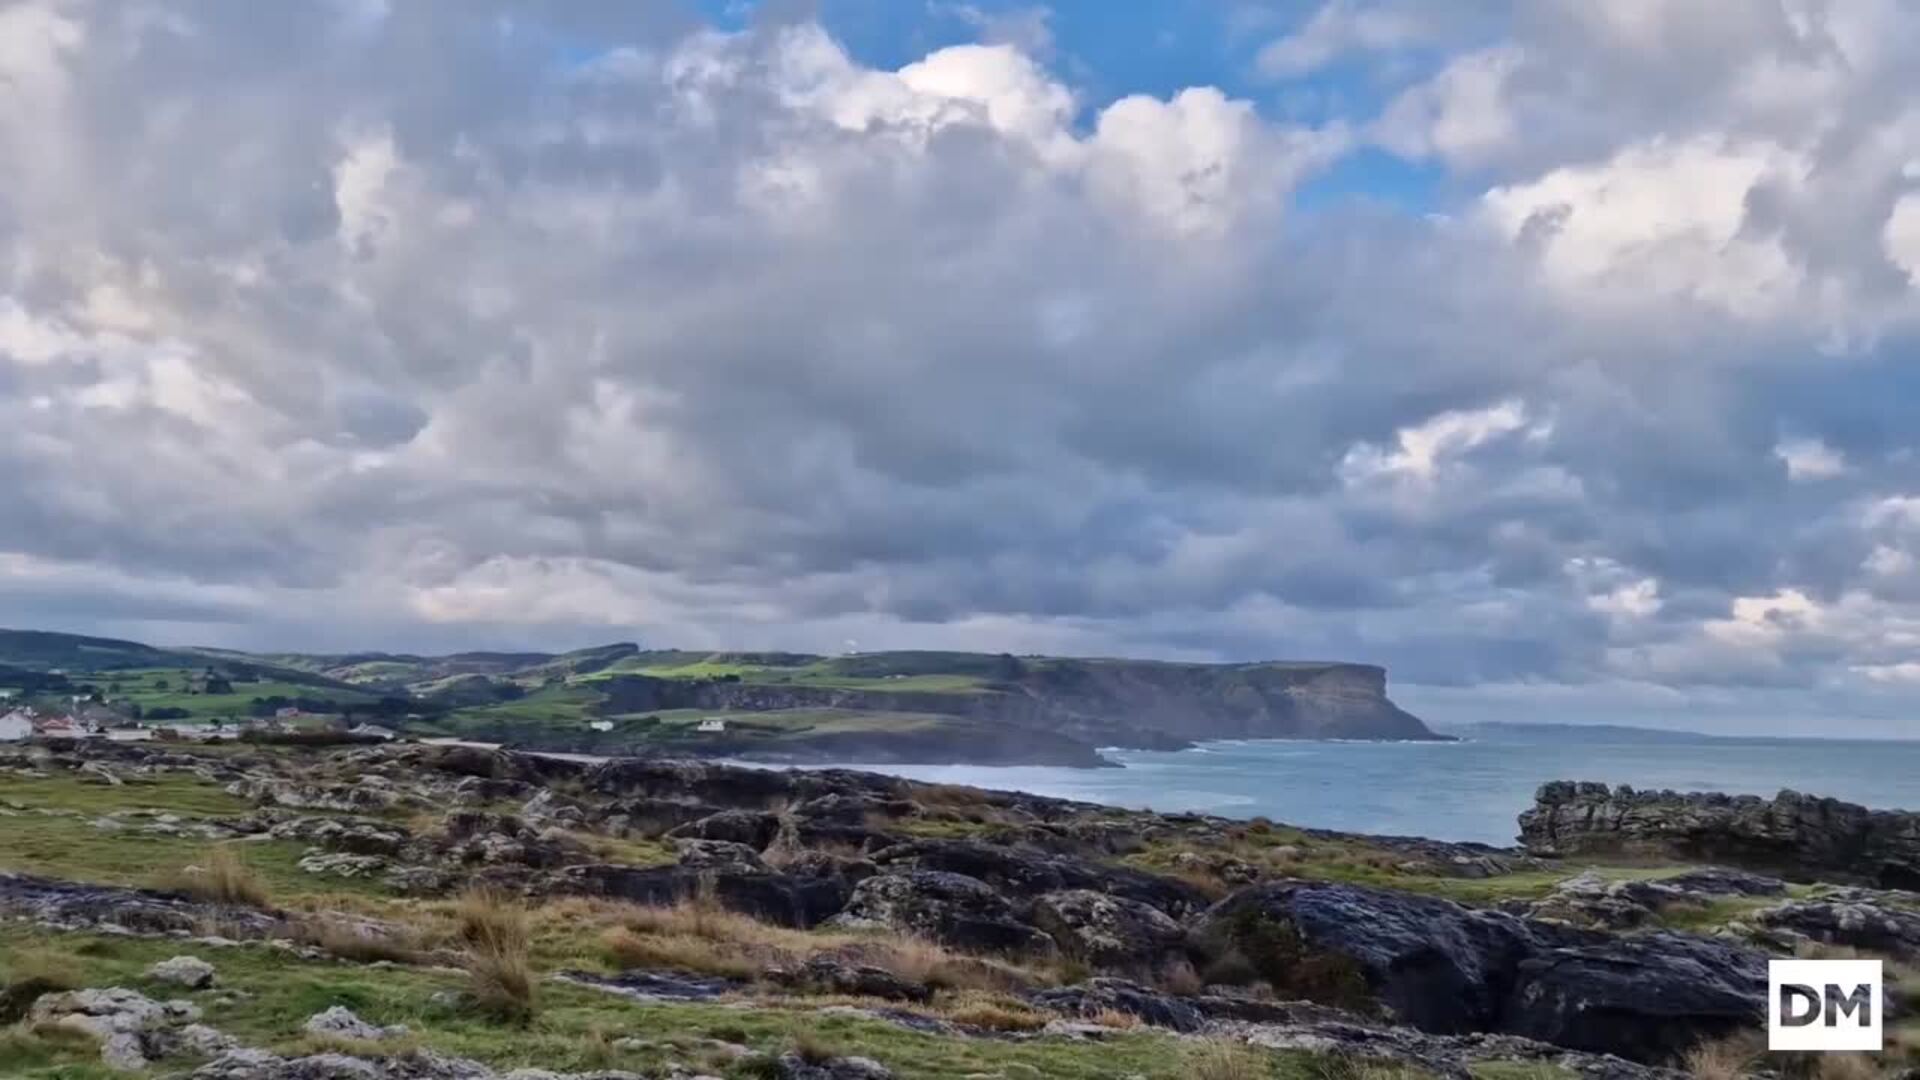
column 1796, row 836
column 1097, row 702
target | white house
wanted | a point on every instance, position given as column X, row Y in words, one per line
column 711, row 725
column 16, row 726
column 600, row 725
column 373, row 731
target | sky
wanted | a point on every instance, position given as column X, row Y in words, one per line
column 1559, row 356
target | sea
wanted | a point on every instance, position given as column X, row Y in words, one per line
column 1471, row 790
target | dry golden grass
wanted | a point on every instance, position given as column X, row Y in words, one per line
column 679, row 952
column 1219, row 1060
column 1115, row 1019
column 499, row 963
column 1845, row 1067
column 992, row 1012
column 810, row 1047
column 221, row 877
column 1724, row 1059
column 699, row 935
column 397, row 1046
column 1348, row 1067
column 359, row 942
column 30, row 973
column 1180, row 978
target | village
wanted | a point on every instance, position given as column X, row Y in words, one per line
column 86, row 717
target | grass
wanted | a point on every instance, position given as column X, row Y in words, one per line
column 274, row 993
column 1522, row 1070
column 1221, row 1060
column 1282, row 852
column 74, row 844
column 144, row 687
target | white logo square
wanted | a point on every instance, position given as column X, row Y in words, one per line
column 1824, row 1005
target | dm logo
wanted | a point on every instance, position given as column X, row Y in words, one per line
column 1823, row 1005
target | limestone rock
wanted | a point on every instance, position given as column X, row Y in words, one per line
column 1109, row 931
column 1797, row 836
column 340, row 1022
column 190, row 972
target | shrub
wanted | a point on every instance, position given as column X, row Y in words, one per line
column 1273, row 949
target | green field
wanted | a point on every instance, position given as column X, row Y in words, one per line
column 170, row 688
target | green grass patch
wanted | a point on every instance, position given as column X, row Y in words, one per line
column 266, row 996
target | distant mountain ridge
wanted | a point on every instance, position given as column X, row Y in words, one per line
column 921, row 706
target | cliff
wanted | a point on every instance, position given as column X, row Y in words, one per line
column 1127, row 703
column 1795, row 836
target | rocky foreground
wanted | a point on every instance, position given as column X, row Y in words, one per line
column 975, row 917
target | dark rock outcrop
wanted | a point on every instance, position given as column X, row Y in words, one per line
column 78, row 906
column 754, row 828
column 1857, row 922
column 952, row 909
column 833, row 975
column 782, row 899
column 1028, row 874
column 1446, row 968
column 1799, row 837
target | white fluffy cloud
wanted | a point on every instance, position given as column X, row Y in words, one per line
column 418, row 326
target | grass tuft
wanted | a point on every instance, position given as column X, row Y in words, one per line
column 32, row 973
column 1724, row 1059
column 1221, row 1060
column 499, row 964
column 221, row 877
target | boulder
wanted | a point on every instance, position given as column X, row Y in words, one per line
column 189, row 972
column 952, row 909
column 1109, row 931
column 796, row 1067
column 1096, row 996
column 833, row 975
column 754, row 828
column 720, row 855
column 132, row 1028
column 340, row 1022
column 1446, row 968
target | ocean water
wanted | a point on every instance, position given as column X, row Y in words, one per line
column 1470, row 790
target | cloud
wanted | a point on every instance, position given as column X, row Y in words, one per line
column 409, row 326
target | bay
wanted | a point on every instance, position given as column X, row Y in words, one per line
column 1473, row 790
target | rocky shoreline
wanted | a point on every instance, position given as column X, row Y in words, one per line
column 1195, row 926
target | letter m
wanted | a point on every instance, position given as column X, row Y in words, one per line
column 1858, row 1002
